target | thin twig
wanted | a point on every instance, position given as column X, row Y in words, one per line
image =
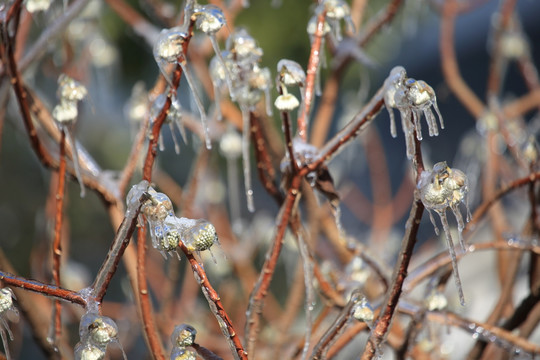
column 312, row 70
column 57, row 242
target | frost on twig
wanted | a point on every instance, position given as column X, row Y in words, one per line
column 440, row 189
column 7, row 312
column 96, row 333
column 412, row 98
column 70, row 92
column 167, row 230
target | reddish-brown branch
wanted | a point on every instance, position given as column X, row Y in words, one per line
column 44, row 289
column 312, row 70
column 390, row 303
column 449, row 62
column 432, row 265
column 263, row 283
column 57, row 242
column 215, row 302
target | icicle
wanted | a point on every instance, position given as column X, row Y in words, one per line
column 440, row 189
column 198, row 102
column 310, row 293
column 231, row 147
column 246, row 136
column 450, row 243
column 7, row 308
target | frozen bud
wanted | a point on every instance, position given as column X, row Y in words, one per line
column 291, row 73
column 394, row 82
column 37, row 5
column 530, row 150
column 169, row 45
column 260, row 78
column 169, row 241
column 158, row 207
column 420, row 93
column 65, row 112
column 312, row 27
column 86, row 351
column 210, row 18
column 363, row 312
column 200, row 236
column 183, row 354
column 442, row 187
column 243, row 45
column 137, row 105
column 513, row 45
column 231, row 144
column 336, row 9
column 6, row 300
column 436, row 301
column 97, row 330
column 286, row 102
column 70, row 89
column 183, row 335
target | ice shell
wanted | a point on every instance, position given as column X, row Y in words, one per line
column 6, row 300
column 291, row 73
column 169, row 44
column 183, row 335
column 97, row 329
column 199, row 237
column 70, row 89
column 210, row 18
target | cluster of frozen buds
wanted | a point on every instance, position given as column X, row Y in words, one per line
column 441, row 189
column 7, row 311
column 96, row 333
column 412, row 98
column 167, row 230
column 182, row 337
column 238, row 69
column 70, row 92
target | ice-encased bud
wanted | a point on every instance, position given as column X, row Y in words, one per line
column 169, row 45
column 436, row 301
column 169, row 241
column 136, row 107
column 97, row 330
column 37, row 5
column 178, row 353
column 286, row 102
column 6, row 300
column 65, row 112
column 210, row 18
column 200, row 236
column 291, row 73
column 183, row 335
column 363, row 312
column 70, row 89
column 312, row 27
column 231, row 144
column 158, row 207
column 442, row 187
column 337, row 10
column 88, row 351
column 243, row 45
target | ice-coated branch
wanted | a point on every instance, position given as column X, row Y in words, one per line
column 135, row 199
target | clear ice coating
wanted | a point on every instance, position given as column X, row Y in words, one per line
column 337, row 10
column 96, row 332
column 183, row 336
column 412, row 98
column 167, row 230
column 70, row 92
column 174, row 117
column 440, row 189
column 7, row 311
column 291, row 73
column 169, row 49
